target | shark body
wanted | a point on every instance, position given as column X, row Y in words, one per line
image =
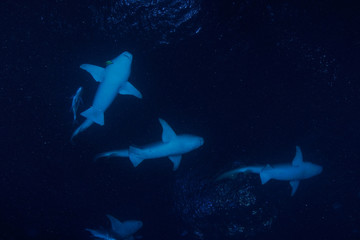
column 113, row 80
column 119, row 230
column 172, row 146
column 294, row 172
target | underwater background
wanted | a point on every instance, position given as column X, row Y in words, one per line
column 253, row 78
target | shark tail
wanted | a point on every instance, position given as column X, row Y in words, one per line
column 232, row 174
column 75, row 122
column 87, row 123
column 135, row 156
column 98, row 234
column 117, row 153
column 94, row 115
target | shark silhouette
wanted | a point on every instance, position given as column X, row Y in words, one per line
column 76, row 101
column 293, row 173
column 113, row 80
column 172, row 146
column 119, row 230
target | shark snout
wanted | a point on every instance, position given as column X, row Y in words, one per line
column 139, row 224
column 201, row 140
column 127, row 54
column 316, row 169
column 320, row 169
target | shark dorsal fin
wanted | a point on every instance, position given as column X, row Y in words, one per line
column 116, row 225
column 298, row 159
column 168, row 134
column 267, row 166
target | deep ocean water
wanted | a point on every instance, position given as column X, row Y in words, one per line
column 253, row 78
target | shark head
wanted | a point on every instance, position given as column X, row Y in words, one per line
column 124, row 59
column 129, row 227
column 125, row 56
column 191, row 142
column 311, row 169
column 124, row 229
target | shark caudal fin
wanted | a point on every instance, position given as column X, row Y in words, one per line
column 94, row 115
column 117, row 153
column 134, row 156
column 100, row 234
column 87, row 123
column 232, row 174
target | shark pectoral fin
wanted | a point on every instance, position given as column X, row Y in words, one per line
column 265, row 177
column 96, row 72
column 135, row 160
column 168, row 133
column 134, row 156
column 94, row 115
column 129, row 89
column 294, row 185
column 176, row 159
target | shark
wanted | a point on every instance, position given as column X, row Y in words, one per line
column 119, row 230
column 76, row 101
column 172, row 146
column 113, row 79
column 295, row 172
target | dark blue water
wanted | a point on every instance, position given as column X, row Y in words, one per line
column 254, row 78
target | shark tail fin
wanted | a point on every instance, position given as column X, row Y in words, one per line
column 134, row 155
column 230, row 174
column 87, row 123
column 117, row 153
column 94, row 115
column 96, row 233
column 233, row 173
